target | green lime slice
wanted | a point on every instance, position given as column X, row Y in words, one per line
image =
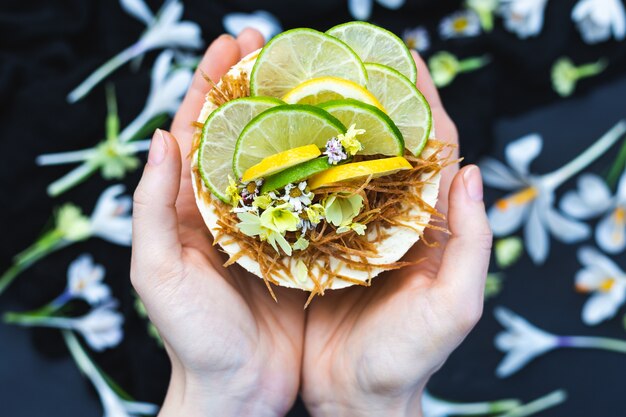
column 299, row 55
column 219, row 137
column 295, row 174
column 282, row 128
column 377, row 45
column 404, row 103
column 381, row 136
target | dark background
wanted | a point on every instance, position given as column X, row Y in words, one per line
column 47, row 48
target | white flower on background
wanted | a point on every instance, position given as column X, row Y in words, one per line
column 113, row 403
column 417, row 38
column 460, row 24
column 85, row 280
column 485, row 10
column 522, row 342
column 111, row 219
column 445, row 67
column 531, row 197
column 592, row 199
column 298, row 196
column 523, row 17
column 605, row 280
column 261, row 20
column 164, row 30
column 599, row 20
column 565, row 75
column 362, row 9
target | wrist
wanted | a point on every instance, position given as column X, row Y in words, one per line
column 408, row 405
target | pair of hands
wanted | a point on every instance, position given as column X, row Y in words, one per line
column 354, row 352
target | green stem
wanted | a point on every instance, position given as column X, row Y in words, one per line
column 589, row 70
column 540, row 404
column 33, row 320
column 472, row 64
column 486, row 19
column 45, row 245
column 604, row 343
column 618, row 167
column 112, row 120
column 72, row 179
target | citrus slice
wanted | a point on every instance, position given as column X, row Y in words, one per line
column 377, row 45
column 323, row 89
column 299, row 55
column 282, row 128
column 381, row 136
column 404, row 103
column 219, row 137
column 295, row 174
column 280, row 161
column 356, row 170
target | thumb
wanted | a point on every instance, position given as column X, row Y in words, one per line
column 466, row 257
column 155, row 223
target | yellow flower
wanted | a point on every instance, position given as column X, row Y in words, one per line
column 280, row 219
column 233, row 192
column 349, row 141
column 358, row 228
column 315, row 213
column 340, row 211
column 252, row 225
column 262, row 201
column 300, row 244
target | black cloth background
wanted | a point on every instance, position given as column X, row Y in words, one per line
column 47, row 48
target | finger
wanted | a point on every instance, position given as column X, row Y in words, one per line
column 155, row 223
column 250, row 40
column 466, row 258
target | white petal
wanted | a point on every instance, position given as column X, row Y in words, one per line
column 263, row 21
column 506, row 221
column 611, row 232
column 618, row 21
column 97, row 293
column 138, row 9
column 591, row 257
column 392, row 4
column 536, row 237
column 360, row 9
column 582, row 9
column 520, row 153
column 135, row 407
column 513, row 362
column 602, row 306
column 590, row 279
column 564, row 229
column 594, row 191
column 497, row 175
column 182, row 35
column 118, row 231
column 573, row 205
column 161, row 68
column 621, row 188
column 170, row 13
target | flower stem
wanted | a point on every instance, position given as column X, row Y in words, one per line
column 71, row 179
column 604, row 343
column 589, row 70
column 554, row 179
column 618, row 167
column 34, row 320
column 483, row 408
column 101, row 73
column 65, row 157
column 540, row 404
column 471, row 64
column 45, row 245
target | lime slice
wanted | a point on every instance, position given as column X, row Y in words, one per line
column 295, row 174
column 282, row 128
column 280, row 161
column 323, row 89
column 219, row 137
column 381, row 136
column 377, row 45
column 406, row 106
column 357, row 170
column 299, row 55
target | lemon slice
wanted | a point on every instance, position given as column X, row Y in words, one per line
column 406, row 106
column 282, row 128
column 356, row 170
column 219, row 137
column 281, row 161
column 381, row 136
column 299, row 55
column 323, row 89
column 377, row 45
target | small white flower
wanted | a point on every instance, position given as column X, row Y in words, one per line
column 362, row 9
column 110, row 219
column 101, row 327
column 605, row 280
column 485, row 10
column 523, row 17
column 297, row 196
column 592, row 199
column 461, row 24
column 599, row 20
column 417, row 38
column 261, row 20
column 521, row 341
column 84, row 280
column 113, row 404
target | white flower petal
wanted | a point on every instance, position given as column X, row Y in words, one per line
column 513, row 362
column 170, row 13
column 591, row 257
column 506, row 221
column 536, row 237
column 497, row 175
column 603, row 305
column 392, row 4
column 138, row 9
column 101, row 327
column 110, row 219
column 360, row 9
column 564, row 229
column 573, row 205
column 161, row 68
column 135, row 407
column 263, row 21
column 621, row 189
column 520, row 153
column 589, row 279
column 594, row 191
column 611, row 231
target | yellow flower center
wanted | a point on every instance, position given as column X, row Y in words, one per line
column 620, row 215
column 460, row 24
column 520, row 198
column 411, row 42
column 606, row 285
column 295, row 192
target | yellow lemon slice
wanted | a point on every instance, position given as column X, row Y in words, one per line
column 323, row 89
column 281, row 161
column 356, row 170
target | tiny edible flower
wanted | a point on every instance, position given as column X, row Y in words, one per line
column 340, row 210
column 271, row 225
column 280, row 218
column 298, row 196
column 262, row 201
column 114, row 402
column 315, row 213
column 261, row 20
column 417, row 38
column 349, row 141
column 85, row 280
column 249, row 191
column 508, row 251
column 232, row 191
column 460, row 24
column 522, row 342
column 335, row 152
column 362, row 9
column 301, row 272
column 358, row 228
column 300, row 244
column 599, row 20
column 523, row 17
column 484, row 9
column 565, row 75
column 444, row 67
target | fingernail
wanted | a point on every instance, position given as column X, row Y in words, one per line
column 473, row 183
column 158, row 148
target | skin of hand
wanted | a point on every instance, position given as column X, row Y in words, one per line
column 370, row 351
column 233, row 350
